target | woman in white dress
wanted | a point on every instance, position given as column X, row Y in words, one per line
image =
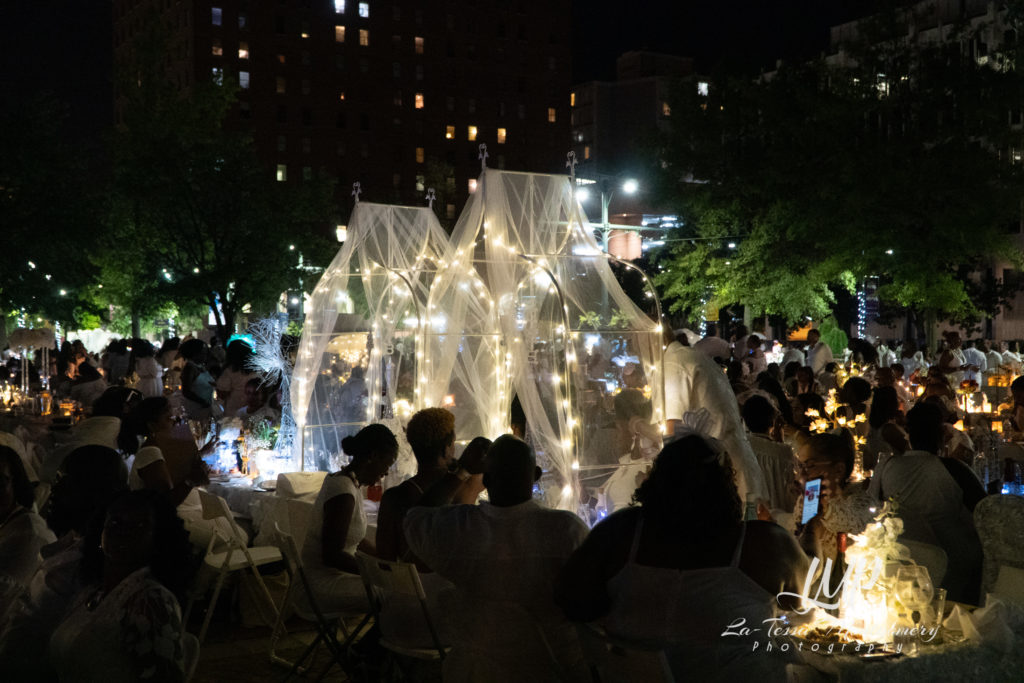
column 149, row 372
column 682, row 565
column 237, row 372
column 125, row 624
column 337, row 527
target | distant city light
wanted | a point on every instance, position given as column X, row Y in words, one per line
column 889, row 252
column 341, row 232
column 630, row 186
column 732, row 245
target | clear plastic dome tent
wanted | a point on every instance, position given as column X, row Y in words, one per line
column 357, row 356
column 520, row 303
column 527, row 305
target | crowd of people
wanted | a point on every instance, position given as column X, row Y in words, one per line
column 709, row 532
column 94, row 556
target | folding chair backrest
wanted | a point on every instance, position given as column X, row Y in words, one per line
column 619, row 662
column 398, row 578
column 216, row 510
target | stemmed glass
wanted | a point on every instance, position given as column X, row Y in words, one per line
column 915, row 591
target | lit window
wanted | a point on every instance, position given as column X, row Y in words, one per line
column 501, row 136
column 364, row 9
column 281, row 83
column 449, row 211
column 702, row 88
column 421, row 183
column 218, row 50
column 217, row 15
column 472, row 185
column 339, row 6
column 449, row 132
column 282, row 173
column 364, row 37
column 339, row 34
column 551, row 114
column 280, row 59
column 419, row 155
column 419, row 45
column 243, row 80
column 243, row 50
column 341, row 96
column 572, row 99
column 419, row 100
column 471, row 133
column 218, row 75
column 665, row 109
column 586, row 151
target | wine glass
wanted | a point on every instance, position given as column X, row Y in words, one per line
column 914, row 590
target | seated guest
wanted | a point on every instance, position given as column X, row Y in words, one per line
column 88, row 384
column 502, row 556
column 125, row 624
column 885, row 430
column 637, row 441
column 100, row 429
column 337, row 527
column 22, row 531
column 931, row 503
column 827, row 380
column 805, row 382
column 845, row 507
column 789, row 380
column 776, row 459
column 91, row 476
column 166, row 462
column 431, row 434
column 257, row 403
column 679, row 566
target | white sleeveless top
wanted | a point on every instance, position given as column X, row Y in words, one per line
column 686, row 611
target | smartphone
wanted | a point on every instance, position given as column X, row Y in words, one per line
column 812, row 493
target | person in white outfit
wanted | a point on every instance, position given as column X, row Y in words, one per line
column 819, row 354
column 662, row 571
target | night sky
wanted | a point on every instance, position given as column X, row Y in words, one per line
column 71, row 57
column 746, row 34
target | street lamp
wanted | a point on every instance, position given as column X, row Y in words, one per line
column 629, row 186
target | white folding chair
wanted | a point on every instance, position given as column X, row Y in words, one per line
column 612, row 660
column 326, row 623
column 384, row 579
column 235, row 556
column 1000, row 524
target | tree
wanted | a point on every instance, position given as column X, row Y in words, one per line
column 893, row 165
column 195, row 217
column 49, row 213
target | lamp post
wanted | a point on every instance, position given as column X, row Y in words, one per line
column 629, row 186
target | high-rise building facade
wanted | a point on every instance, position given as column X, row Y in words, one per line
column 397, row 95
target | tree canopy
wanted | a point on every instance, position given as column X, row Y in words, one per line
column 896, row 160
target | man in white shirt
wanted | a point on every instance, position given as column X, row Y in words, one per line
column 931, row 502
column 503, row 557
column 976, row 361
column 793, row 354
column 776, row 458
column 819, row 354
column 993, row 359
column 714, row 346
column 694, row 381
